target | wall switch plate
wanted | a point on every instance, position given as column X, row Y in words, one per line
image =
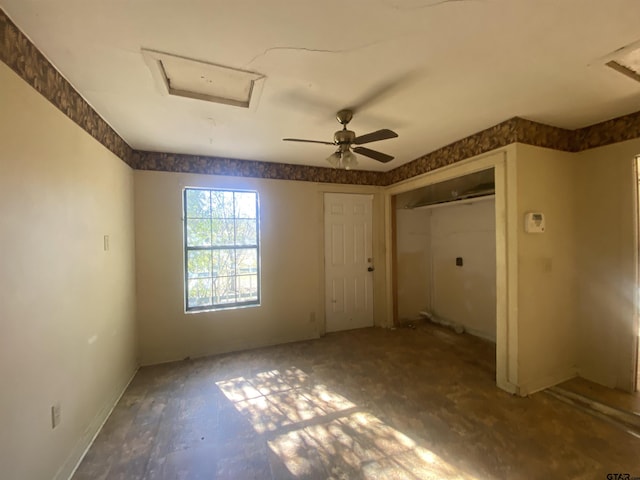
column 106, row 243
column 55, row 415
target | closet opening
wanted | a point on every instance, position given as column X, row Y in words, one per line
column 445, row 254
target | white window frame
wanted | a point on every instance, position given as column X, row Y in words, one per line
column 213, row 248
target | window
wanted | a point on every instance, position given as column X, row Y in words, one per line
column 222, row 254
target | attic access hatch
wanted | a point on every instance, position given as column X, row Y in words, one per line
column 465, row 189
column 626, row 60
column 185, row 77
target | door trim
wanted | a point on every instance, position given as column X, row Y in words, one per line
column 635, row 368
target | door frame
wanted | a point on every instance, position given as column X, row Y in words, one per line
column 635, row 368
column 504, row 165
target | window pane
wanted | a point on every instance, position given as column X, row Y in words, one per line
column 245, row 205
column 224, row 263
column 246, row 232
column 199, row 264
column 247, row 286
column 198, row 204
column 224, row 290
column 222, row 232
column 199, row 292
column 217, row 222
column 222, row 204
column 247, row 260
column 198, row 233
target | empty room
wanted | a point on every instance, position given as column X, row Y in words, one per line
column 382, row 239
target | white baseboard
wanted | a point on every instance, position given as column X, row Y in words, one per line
column 75, row 458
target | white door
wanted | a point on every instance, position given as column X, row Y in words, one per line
column 348, row 261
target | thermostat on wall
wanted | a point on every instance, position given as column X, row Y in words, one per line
column 534, row 222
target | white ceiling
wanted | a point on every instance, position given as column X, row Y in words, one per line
column 433, row 71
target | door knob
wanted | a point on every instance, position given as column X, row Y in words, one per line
column 370, row 269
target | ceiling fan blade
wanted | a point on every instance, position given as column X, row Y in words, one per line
column 383, row 134
column 379, row 156
column 306, row 141
column 305, row 101
column 386, row 89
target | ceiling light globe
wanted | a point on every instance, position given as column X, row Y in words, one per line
column 349, row 160
column 334, row 159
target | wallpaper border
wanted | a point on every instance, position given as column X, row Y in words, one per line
column 183, row 163
column 24, row 58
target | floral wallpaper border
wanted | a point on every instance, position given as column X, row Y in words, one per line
column 615, row 130
column 495, row 137
column 175, row 162
column 25, row 59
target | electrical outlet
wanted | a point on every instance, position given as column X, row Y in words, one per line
column 55, row 415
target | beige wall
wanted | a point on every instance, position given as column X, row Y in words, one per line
column 547, row 283
column 67, row 307
column 413, row 262
column 428, row 241
column 606, row 251
column 465, row 295
column 577, row 282
column 292, row 304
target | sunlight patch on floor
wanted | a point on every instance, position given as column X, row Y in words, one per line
column 317, row 431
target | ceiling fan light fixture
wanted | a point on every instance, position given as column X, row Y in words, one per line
column 349, row 160
column 346, row 160
column 334, row 159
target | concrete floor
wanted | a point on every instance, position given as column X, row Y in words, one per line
column 371, row 403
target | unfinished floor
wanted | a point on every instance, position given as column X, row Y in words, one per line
column 370, row 403
column 627, row 402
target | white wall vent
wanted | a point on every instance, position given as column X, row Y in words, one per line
column 185, row 77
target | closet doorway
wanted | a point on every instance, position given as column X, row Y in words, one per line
column 445, row 254
column 409, row 297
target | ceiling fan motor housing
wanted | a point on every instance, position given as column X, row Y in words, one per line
column 344, row 138
column 344, row 116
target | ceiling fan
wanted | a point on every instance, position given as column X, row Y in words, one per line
column 344, row 157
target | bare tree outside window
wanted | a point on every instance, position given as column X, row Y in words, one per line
column 221, row 238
